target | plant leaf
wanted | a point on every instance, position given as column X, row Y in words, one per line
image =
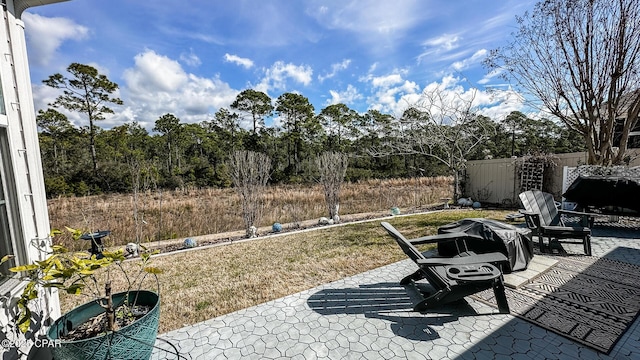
column 55, row 285
column 24, row 320
column 20, row 268
column 6, row 258
column 114, row 255
column 53, row 274
column 75, row 289
column 75, row 233
column 59, row 249
column 152, row 270
column 55, row 232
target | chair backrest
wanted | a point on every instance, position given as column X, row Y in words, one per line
column 412, row 252
column 434, row 277
column 541, row 203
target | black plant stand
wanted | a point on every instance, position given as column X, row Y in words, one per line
column 96, row 242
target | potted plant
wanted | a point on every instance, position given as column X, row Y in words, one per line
column 113, row 325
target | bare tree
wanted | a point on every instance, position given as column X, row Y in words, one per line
column 580, row 60
column 249, row 173
column 443, row 125
column 142, row 178
column 332, row 167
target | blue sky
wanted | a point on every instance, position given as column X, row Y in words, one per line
column 190, row 58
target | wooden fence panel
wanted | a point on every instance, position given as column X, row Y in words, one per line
column 491, row 181
column 496, row 181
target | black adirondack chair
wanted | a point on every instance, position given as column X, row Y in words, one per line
column 453, row 278
column 546, row 221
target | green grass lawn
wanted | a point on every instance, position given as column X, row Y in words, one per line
column 205, row 283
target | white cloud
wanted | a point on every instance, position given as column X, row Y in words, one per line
column 392, row 92
column 396, row 96
column 501, row 103
column 387, row 80
column 44, row 95
column 380, row 24
column 157, row 85
column 348, row 96
column 450, row 91
column 335, row 69
column 440, row 45
column 245, row 62
column 277, row 75
column 444, row 42
column 190, row 59
column 474, row 59
column 45, row 35
column 155, row 72
column 488, row 77
column 372, row 19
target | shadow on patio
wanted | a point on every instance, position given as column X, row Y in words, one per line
column 370, row 315
column 390, row 302
column 592, row 301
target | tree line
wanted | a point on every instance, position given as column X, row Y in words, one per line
column 577, row 60
column 92, row 160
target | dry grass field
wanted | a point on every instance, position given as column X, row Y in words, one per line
column 207, row 282
column 163, row 215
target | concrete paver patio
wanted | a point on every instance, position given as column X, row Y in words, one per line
column 368, row 316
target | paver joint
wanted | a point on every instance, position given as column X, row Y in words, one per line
column 295, row 328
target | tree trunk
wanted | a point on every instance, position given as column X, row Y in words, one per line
column 92, row 147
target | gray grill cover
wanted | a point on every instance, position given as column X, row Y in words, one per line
column 487, row 236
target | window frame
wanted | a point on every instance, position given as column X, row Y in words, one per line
column 9, row 213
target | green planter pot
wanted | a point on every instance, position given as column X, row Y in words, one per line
column 134, row 341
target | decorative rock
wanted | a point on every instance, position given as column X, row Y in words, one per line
column 395, row 211
column 446, row 202
column 189, row 243
column 465, row 201
column 131, row 249
column 323, row 221
column 277, row 227
column 476, row 205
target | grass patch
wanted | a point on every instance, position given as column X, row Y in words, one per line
column 193, row 212
column 199, row 285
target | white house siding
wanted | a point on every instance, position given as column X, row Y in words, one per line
column 22, row 167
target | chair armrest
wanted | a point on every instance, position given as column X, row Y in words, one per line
column 587, row 219
column 572, row 212
column 532, row 219
column 464, row 260
column 565, row 230
column 431, row 239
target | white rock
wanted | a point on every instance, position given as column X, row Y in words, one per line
column 253, row 232
column 131, row 249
